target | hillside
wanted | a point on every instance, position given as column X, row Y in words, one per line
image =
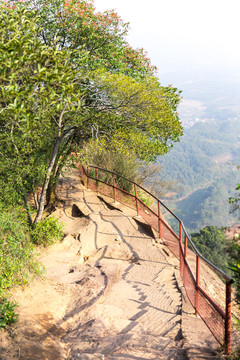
column 203, row 165
column 203, row 161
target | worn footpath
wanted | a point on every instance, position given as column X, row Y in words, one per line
column 111, row 291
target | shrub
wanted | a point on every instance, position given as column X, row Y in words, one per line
column 16, row 251
column 234, row 265
column 47, row 232
column 211, row 242
column 17, row 262
column 7, row 312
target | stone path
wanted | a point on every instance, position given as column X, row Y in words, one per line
column 139, row 312
column 111, row 291
column 139, row 315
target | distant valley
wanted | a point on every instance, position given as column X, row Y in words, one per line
column 203, row 162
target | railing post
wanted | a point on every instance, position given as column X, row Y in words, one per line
column 114, row 187
column 81, row 171
column 180, row 246
column 197, row 283
column 97, row 179
column 185, row 246
column 228, row 319
column 136, row 198
column 180, row 232
column 159, row 221
column 185, row 258
column 87, row 177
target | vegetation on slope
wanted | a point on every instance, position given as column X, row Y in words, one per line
column 17, row 253
column 235, row 248
column 212, row 244
column 203, row 165
column 207, row 206
column 224, row 253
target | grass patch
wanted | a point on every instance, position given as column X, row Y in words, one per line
column 7, row 312
column 17, row 254
column 16, row 251
column 46, row 232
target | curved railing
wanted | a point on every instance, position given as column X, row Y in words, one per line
column 194, row 268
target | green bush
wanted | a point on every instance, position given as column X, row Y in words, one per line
column 147, row 199
column 47, row 232
column 234, row 265
column 16, row 250
column 212, row 244
column 7, row 312
column 17, row 263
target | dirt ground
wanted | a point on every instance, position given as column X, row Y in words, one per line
column 110, row 291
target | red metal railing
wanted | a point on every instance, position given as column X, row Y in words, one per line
column 179, row 242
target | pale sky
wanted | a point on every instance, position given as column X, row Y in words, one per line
column 182, row 33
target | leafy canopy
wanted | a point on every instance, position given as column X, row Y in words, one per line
column 68, row 74
column 76, row 25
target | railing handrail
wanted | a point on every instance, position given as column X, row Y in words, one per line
column 197, row 252
column 141, row 187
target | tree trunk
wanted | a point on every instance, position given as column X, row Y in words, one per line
column 27, row 206
column 35, row 199
column 46, row 181
column 57, row 168
column 50, row 195
column 52, row 164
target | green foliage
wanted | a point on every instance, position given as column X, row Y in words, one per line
column 234, row 266
column 17, row 262
column 16, row 251
column 234, row 201
column 46, row 232
column 147, row 125
column 76, row 25
column 145, row 197
column 7, row 312
column 35, row 82
column 234, row 248
column 212, row 244
column 68, row 74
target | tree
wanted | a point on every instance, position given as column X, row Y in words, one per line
column 76, row 25
column 234, row 201
column 37, row 86
column 211, row 242
column 59, row 83
column 234, row 264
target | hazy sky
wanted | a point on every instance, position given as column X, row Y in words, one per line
column 182, row 33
